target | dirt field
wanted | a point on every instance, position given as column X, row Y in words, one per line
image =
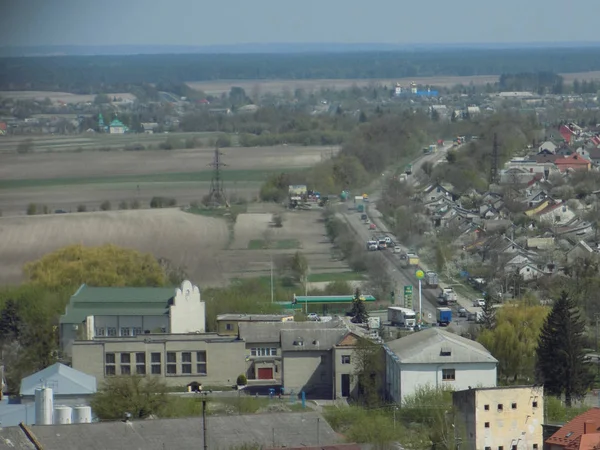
column 278, row 86
column 128, row 176
column 58, row 96
column 187, row 239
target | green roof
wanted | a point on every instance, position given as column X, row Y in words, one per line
column 124, row 301
column 117, row 123
column 330, row 298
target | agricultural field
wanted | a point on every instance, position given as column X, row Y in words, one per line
column 278, row 86
column 65, row 180
column 64, row 97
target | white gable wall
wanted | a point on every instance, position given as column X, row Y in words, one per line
column 188, row 311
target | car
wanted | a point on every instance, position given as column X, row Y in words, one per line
column 372, row 226
column 364, row 217
column 462, row 312
column 397, row 249
column 479, row 302
column 314, row 317
column 367, row 221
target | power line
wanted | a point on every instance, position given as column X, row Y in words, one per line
column 494, row 166
column 216, row 196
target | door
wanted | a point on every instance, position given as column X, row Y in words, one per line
column 345, row 385
column 265, row 373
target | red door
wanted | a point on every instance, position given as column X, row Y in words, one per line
column 265, row 373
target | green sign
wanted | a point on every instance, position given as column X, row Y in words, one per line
column 408, row 292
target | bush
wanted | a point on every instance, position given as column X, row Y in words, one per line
column 32, row 209
column 81, row 208
column 278, row 220
column 105, row 205
column 25, row 147
column 123, row 205
column 162, row 202
column 223, row 141
column 242, row 380
column 135, row 204
column 134, row 147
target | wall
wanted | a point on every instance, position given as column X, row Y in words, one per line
column 227, row 327
column 224, row 360
column 253, row 363
column 188, row 311
column 340, row 369
column 310, row 371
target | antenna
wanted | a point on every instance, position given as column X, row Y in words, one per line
column 216, row 196
column 494, row 167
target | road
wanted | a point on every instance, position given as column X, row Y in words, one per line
column 405, row 276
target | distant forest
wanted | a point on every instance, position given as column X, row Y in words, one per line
column 95, row 74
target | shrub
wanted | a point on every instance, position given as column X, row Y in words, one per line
column 105, row 205
column 135, row 204
column 81, row 208
column 134, row 147
column 32, row 209
column 25, row 146
column 278, row 220
column 162, row 202
column 123, row 205
column 223, row 141
column 242, row 380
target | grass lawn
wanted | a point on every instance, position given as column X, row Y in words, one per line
column 203, row 176
column 233, row 210
column 335, row 276
column 281, row 244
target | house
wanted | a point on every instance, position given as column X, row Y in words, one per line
column 536, row 197
column 227, row 324
column 557, row 214
column 177, row 359
column 149, row 127
column 288, row 430
column 594, row 156
column 501, row 417
column 345, row 360
column 581, row 433
column 529, row 271
column 117, row 127
column 97, row 312
column 548, row 146
column 580, row 251
column 539, row 206
column 573, row 162
column 437, row 191
column 436, row 358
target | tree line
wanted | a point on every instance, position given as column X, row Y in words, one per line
column 96, row 74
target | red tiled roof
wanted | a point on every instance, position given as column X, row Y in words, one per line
column 589, row 442
column 542, row 158
column 572, row 159
column 570, row 434
column 349, row 340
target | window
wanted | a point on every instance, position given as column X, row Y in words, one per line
column 273, row 352
column 100, row 331
column 125, row 358
column 486, row 407
column 534, row 404
column 137, row 331
column 513, row 406
column 186, row 362
column 125, row 369
column 228, row 327
column 201, row 363
column 487, row 424
column 345, row 359
column 535, row 446
column 140, row 363
column 125, row 331
column 111, row 331
column 500, row 407
column 514, row 447
column 171, row 363
column 501, row 447
column 448, row 374
column 155, row 363
column 488, row 448
column 110, row 368
column 260, row 351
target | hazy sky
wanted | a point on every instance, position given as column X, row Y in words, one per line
column 209, row 22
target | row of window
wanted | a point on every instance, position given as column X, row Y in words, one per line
column 177, row 363
column 123, row 331
column 512, row 447
column 500, row 407
column 263, row 351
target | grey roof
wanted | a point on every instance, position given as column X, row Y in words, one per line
column 316, row 339
column 425, row 347
column 224, row 432
column 12, row 414
column 258, row 332
column 13, row 438
column 62, row 379
column 253, row 317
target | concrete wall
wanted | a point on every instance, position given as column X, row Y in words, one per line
column 516, row 423
column 224, row 360
column 344, row 369
column 309, row 371
column 188, row 311
column 227, row 327
column 413, row 376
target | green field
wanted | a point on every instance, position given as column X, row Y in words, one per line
column 182, row 177
column 335, row 276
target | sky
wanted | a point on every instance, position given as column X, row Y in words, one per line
column 226, row 22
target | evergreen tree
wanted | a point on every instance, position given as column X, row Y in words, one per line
column 359, row 312
column 10, row 321
column 561, row 364
column 488, row 313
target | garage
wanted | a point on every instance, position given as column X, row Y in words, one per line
column 265, row 373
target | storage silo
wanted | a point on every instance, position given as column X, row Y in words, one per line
column 44, row 406
column 63, row 415
column 82, row 414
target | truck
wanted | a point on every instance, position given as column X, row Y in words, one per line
column 444, row 316
column 402, row 317
column 447, row 296
column 431, row 279
column 408, row 169
column 372, row 245
column 358, row 199
column 440, row 142
column 360, row 208
column 432, row 148
column 413, row 259
column 374, row 323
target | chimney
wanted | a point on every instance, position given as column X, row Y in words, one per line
column 589, row 427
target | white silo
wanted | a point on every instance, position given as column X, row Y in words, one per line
column 82, row 414
column 44, row 406
column 63, row 415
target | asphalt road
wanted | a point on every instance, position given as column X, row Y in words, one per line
column 401, row 275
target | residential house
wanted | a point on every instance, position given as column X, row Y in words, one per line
column 345, row 360
column 227, row 324
column 518, row 176
column 548, row 146
column 557, row 214
column 501, row 417
column 539, row 206
column 437, row 191
column 177, row 359
column 436, row 358
column 580, row 251
column 581, row 433
column 535, row 197
column 573, row 162
column 117, row 127
column 541, row 243
column 530, row 271
column 594, row 156
column 149, row 127
column 70, row 388
column 97, row 312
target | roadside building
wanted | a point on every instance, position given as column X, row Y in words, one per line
column 436, row 358
column 581, row 433
column 500, row 417
column 228, row 324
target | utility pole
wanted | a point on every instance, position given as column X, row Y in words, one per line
column 204, row 437
column 494, row 165
column 272, row 295
column 318, row 423
column 395, row 409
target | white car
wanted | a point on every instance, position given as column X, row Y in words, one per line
column 397, row 249
column 479, row 302
column 314, row 317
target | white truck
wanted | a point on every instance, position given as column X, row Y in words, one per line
column 402, row 317
column 447, row 297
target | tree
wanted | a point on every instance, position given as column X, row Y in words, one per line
column 369, row 365
column 107, row 265
column 561, row 364
column 359, row 312
column 299, row 267
column 10, row 321
column 139, row 396
column 488, row 312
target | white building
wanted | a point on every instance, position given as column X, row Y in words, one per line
column 99, row 312
column 438, row 359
